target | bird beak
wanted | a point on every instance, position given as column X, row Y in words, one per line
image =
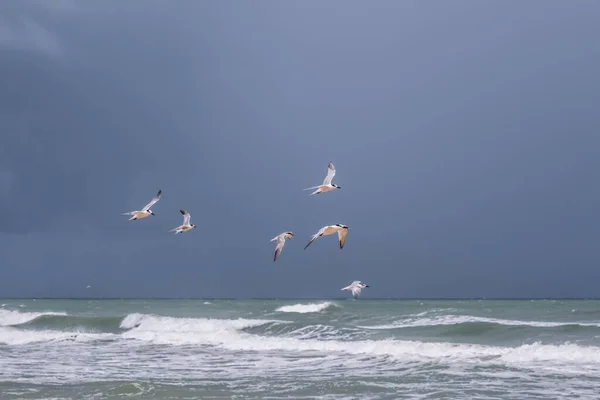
column 152, row 213
column 366, row 285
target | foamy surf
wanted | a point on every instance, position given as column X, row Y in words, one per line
column 15, row 337
column 464, row 319
column 9, row 317
column 230, row 335
column 246, row 349
column 306, row 308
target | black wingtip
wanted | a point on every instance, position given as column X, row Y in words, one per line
column 182, row 211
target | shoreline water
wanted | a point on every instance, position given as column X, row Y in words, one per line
column 299, row 348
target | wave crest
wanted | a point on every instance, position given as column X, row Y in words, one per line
column 9, row 317
column 306, row 308
column 464, row 319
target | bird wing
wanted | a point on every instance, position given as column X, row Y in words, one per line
column 154, row 200
column 330, row 174
column 342, row 233
column 186, row 217
column 315, row 236
column 355, row 291
column 279, row 248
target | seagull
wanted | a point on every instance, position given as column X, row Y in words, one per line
column 146, row 211
column 281, row 242
column 342, row 231
column 355, row 287
column 327, row 185
column 186, row 223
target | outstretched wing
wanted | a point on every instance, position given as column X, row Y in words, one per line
column 186, row 217
column 315, row 236
column 154, row 200
column 342, row 233
column 279, row 248
column 330, row 174
column 355, row 291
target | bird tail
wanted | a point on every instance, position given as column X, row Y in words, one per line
column 129, row 213
column 311, row 188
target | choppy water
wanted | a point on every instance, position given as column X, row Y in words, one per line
column 346, row 349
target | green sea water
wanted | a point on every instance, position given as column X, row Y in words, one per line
column 299, row 349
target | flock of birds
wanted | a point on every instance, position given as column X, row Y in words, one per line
column 327, row 186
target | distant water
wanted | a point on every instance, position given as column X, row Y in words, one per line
column 293, row 349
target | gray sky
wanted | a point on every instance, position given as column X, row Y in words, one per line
column 465, row 136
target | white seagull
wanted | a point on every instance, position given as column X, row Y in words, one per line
column 355, row 287
column 280, row 243
column 186, row 223
column 342, row 231
column 146, row 211
column 327, row 185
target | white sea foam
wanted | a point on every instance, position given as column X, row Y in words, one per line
column 462, row 319
column 229, row 335
column 306, row 308
column 9, row 317
column 13, row 336
column 171, row 330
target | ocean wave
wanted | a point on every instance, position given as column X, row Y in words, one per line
column 233, row 335
column 266, row 336
column 303, row 331
column 465, row 319
column 172, row 330
column 14, row 336
column 306, row 308
column 9, row 317
column 73, row 323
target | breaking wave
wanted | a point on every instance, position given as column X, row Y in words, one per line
column 306, row 308
column 289, row 338
column 9, row 317
column 236, row 335
column 468, row 319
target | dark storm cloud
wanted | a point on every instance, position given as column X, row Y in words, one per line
column 464, row 134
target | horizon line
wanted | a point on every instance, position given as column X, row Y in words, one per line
column 300, row 298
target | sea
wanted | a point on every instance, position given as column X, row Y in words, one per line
column 299, row 349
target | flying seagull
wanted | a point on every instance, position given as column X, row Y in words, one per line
column 355, row 287
column 146, row 211
column 186, row 223
column 281, row 242
column 342, row 231
column 327, row 185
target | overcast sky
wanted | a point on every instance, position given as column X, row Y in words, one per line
column 466, row 137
